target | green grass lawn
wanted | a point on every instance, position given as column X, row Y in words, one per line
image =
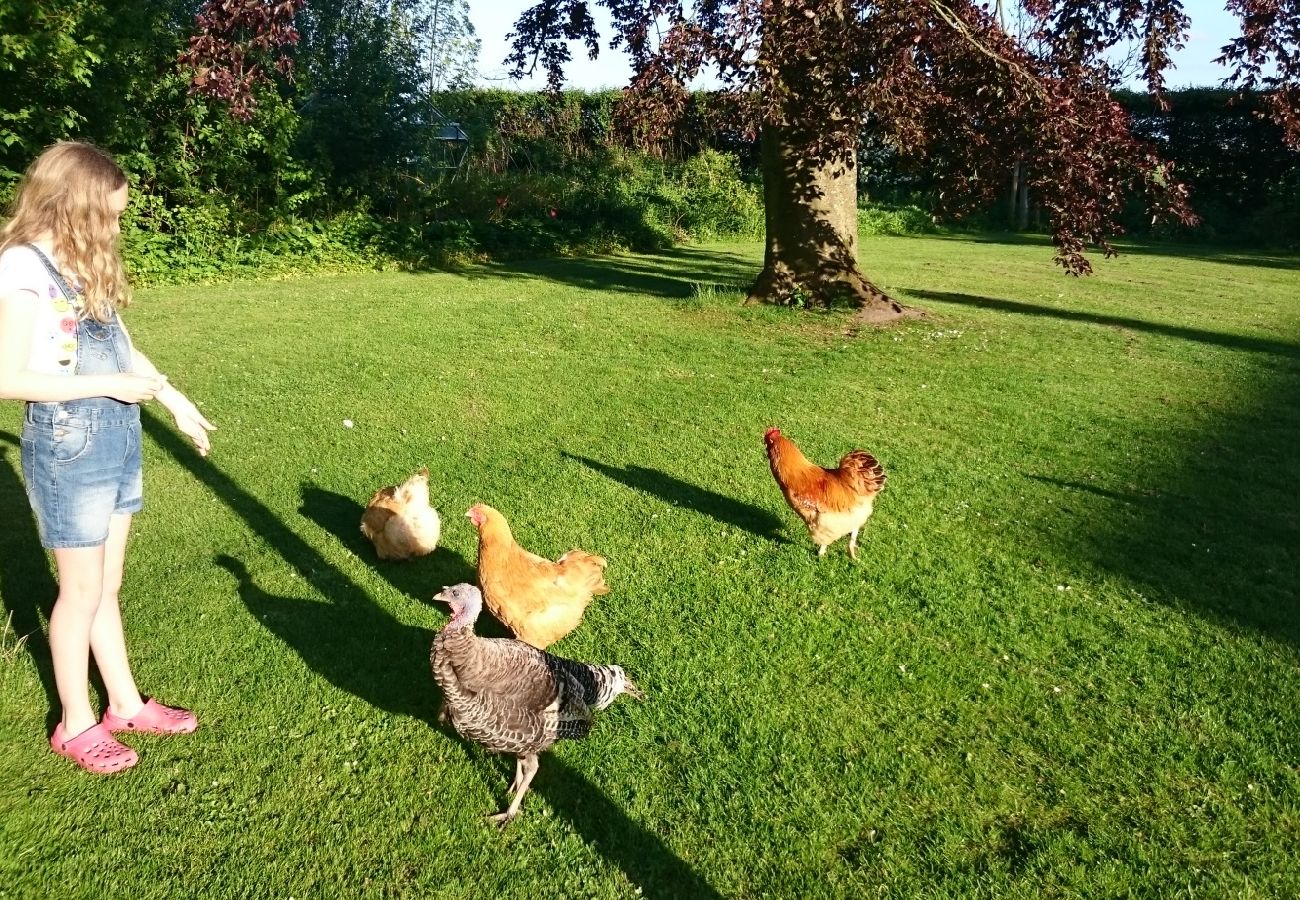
column 1067, row 663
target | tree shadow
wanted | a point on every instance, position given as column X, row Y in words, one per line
column 27, row 585
column 1214, row 528
column 1214, row 338
column 1134, row 498
column 671, row 274
column 363, row 650
column 1201, row 251
column 1235, row 256
column 738, row 514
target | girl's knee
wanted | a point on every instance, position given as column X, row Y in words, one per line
column 74, row 600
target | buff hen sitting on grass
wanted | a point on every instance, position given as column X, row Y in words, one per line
column 400, row 521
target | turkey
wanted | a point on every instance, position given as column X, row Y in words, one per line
column 512, row 698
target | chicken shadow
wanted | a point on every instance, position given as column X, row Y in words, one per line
column 358, row 647
column 27, row 586
column 736, row 513
column 419, row 578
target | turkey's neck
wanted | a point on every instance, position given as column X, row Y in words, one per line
column 464, row 619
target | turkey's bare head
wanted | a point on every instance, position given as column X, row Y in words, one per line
column 466, row 602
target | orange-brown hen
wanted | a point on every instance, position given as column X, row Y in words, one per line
column 539, row 600
column 831, row 502
column 400, row 521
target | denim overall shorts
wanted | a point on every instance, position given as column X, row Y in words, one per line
column 81, row 458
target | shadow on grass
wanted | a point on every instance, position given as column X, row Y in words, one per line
column 362, row 649
column 673, row 274
column 1134, row 498
column 1214, row 338
column 418, row 578
column 356, row 645
column 1216, row 530
column 26, row 583
column 743, row 516
column 1237, row 255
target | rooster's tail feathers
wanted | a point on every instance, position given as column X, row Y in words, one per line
column 866, row 469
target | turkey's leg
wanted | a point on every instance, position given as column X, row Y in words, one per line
column 528, row 768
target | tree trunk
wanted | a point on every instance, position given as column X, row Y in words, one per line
column 1013, row 198
column 1022, row 200
column 810, row 177
column 811, row 255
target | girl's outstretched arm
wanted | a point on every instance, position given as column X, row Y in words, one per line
column 192, row 423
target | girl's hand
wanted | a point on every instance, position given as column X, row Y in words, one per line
column 189, row 420
column 129, row 388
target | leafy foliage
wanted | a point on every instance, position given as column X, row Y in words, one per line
column 364, row 98
column 336, row 169
column 44, row 54
column 941, row 81
column 453, row 45
column 236, row 46
column 1266, row 57
column 1233, row 157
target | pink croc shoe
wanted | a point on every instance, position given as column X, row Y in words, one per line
column 94, row 750
column 153, row 718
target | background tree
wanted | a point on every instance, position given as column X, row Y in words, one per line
column 364, row 93
column 454, row 45
column 44, row 55
column 942, row 81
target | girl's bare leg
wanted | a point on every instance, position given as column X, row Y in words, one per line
column 107, row 640
column 81, row 580
column 87, row 617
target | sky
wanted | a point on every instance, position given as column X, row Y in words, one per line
column 1212, row 27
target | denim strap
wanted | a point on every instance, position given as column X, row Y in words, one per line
column 68, row 292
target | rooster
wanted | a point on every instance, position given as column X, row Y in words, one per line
column 400, row 521
column 512, row 698
column 538, row 600
column 831, row 502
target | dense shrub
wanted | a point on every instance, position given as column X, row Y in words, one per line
column 898, row 220
column 606, row 200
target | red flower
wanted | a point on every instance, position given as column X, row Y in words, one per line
column 553, row 212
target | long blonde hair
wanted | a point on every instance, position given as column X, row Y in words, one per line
column 64, row 194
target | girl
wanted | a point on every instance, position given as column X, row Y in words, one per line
column 64, row 350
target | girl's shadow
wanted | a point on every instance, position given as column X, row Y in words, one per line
column 354, row 644
column 27, row 585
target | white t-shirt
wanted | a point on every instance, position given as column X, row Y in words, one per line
column 54, row 332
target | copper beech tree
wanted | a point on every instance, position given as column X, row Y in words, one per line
column 941, row 80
